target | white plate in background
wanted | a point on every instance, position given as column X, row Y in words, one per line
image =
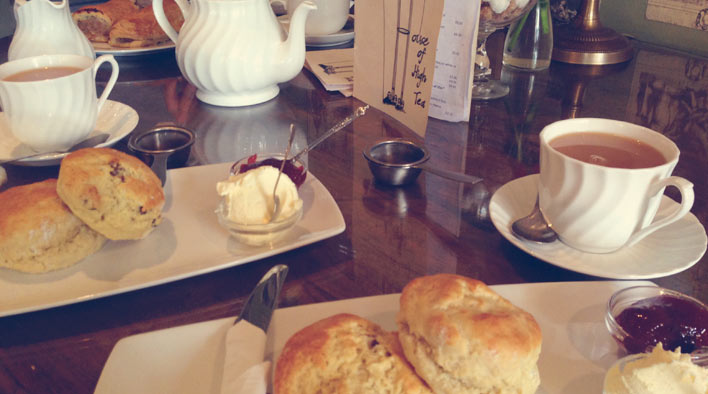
column 667, row 251
column 188, row 242
column 577, row 349
column 116, row 119
column 103, row 48
column 325, row 40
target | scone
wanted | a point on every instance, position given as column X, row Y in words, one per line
column 344, row 354
column 95, row 21
column 141, row 29
column 462, row 337
column 112, row 192
column 38, row 233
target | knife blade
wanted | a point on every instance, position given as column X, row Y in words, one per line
column 244, row 369
column 264, row 298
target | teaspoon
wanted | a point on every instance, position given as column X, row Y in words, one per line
column 276, row 199
column 89, row 142
column 534, row 227
column 337, row 127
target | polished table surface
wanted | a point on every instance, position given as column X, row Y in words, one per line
column 392, row 234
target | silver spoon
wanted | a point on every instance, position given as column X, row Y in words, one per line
column 89, row 142
column 276, row 199
column 534, row 227
column 339, row 126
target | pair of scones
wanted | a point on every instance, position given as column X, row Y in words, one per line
column 100, row 194
column 455, row 336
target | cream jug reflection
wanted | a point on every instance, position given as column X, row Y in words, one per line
column 234, row 51
column 45, row 27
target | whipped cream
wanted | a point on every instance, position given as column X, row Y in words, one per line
column 659, row 372
column 248, row 197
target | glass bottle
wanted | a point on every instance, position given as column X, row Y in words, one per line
column 529, row 41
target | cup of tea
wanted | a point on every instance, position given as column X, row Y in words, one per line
column 49, row 101
column 329, row 17
column 601, row 182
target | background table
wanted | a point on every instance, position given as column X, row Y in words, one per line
column 392, row 234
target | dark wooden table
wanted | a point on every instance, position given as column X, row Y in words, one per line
column 392, row 234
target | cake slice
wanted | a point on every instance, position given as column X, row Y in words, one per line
column 141, row 29
column 95, row 21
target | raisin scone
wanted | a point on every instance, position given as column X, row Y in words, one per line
column 38, row 233
column 345, row 354
column 462, row 337
column 114, row 193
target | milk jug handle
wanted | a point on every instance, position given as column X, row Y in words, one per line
column 111, row 81
column 159, row 11
column 685, row 188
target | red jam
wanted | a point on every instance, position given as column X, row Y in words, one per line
column 296, row 173
column 667, row 319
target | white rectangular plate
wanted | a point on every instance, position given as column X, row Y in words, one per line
column 188, row 242
column 577, row 348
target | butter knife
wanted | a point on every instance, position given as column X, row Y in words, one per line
column 264, row 298
column 245, row 371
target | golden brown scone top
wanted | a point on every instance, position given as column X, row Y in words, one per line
column 345, row 354
column 81, row 168
column 20, row 216
column 451, row 311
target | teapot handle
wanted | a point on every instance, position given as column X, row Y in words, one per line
column 159, row 12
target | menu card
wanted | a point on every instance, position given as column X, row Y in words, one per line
column 454, row 61
column 415, row 58
column 394, row 57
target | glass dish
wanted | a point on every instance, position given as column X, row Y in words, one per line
column 668, row 316
column 257, row 234
column 266, row 233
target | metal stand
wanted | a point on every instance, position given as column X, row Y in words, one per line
column 586, row 41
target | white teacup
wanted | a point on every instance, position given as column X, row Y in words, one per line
column 329, row 17
column 49, row 101
column 600, row 209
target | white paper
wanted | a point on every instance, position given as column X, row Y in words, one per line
column 454, row 61
column 245, row 372
column 334, row 68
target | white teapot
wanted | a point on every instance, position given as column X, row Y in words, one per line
column 234, row 51
column 45, row 27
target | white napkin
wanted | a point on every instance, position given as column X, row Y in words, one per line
column 245, row 372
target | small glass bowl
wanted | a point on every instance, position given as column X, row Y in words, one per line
column 257, row 234
column 261, row 234
column 628, row 297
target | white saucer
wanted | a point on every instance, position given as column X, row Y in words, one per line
column 668, row 251
column 327, row 40
column 116, row 119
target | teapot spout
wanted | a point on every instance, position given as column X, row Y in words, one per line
column 294, row 47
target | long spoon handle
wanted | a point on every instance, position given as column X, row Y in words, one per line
column 276, row 199
column 340, row 125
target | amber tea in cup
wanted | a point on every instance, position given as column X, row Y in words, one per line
column 50, row 101
column 609, row 150
column 601, row 182
column 40, row 74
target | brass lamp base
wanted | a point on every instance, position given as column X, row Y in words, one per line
column 586, row 41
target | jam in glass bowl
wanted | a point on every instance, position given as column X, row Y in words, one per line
column 640, row 317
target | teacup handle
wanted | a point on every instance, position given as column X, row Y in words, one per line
column 111, row 81
column 686, row 189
